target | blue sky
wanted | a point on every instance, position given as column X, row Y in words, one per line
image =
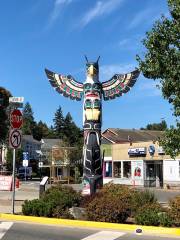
column 57, row 33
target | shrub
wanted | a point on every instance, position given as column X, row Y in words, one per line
column 165, row 219
column 111, row 204
column 174, row 210
column 148, row 214
column 140, row 198
column 37, row 208
column 55, row 202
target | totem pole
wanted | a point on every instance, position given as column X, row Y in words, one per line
column 92, row 90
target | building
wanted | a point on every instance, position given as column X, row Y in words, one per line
column 54, row 157
column 134, row 157
column 31, row 145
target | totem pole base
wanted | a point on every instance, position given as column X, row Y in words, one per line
column 91, row 184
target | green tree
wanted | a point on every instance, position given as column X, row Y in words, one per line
column 162, row 126
column 4, row 103
column 9, row 159
column 28, row 120
column 162, row 62
column 59, row 123
column 41, row 130
column 71, row 131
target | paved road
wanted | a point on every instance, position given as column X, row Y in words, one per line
column 26, row 231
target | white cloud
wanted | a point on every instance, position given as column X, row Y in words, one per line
column 101, row 8
column 146, row 16
column 108, row 71
column 57, row 8
column 133, row 43
column 149, row 87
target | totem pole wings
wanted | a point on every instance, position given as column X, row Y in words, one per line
column 65, row 85
column 119, row 84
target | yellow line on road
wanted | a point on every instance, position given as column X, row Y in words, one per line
column 89, row 224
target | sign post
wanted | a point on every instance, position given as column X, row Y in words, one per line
column 15, row 136
column 25, row 161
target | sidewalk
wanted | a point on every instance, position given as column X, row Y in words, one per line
column 25, row 192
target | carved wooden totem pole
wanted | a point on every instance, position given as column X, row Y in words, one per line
column 92, row 91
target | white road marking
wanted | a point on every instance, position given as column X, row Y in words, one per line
column 4, row 227
column 104, row 235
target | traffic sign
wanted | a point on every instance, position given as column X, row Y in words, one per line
column 16, row 101
column 25, row 163
column 15, row 137
column 16, row 118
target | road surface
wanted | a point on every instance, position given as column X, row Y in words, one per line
column 27, row 231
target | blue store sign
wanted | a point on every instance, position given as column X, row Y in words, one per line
column 151, row 150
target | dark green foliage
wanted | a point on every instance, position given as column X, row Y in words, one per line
column 37, row 208
column 156, row 126
column 165, row 219
column 9, row 159
column 148, row 215
column 162, row 61
column 55, row 202
column 4, row 123
column 28, row 120
column 140, row 198
column 111, row 204
column 41, row 130
column 174, row 210
column 71, row 131
column 59, row 123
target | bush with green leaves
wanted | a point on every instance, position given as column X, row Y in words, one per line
column 165, row 219
column 148, row 214
column 55, row 202
column 111, row 204
column 174, row 210
column 140, row 198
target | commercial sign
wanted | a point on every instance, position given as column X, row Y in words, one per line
column 5, row 183
column 151, row 150
column 16, row 118
column 137, row 151
column 15, row 137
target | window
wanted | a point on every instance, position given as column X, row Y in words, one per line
column 117, row 169
column 108, row 169
column 127, row 169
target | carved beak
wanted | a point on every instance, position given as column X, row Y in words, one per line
column 91, row 70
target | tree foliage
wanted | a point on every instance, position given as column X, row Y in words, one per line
column 162, row 62
column 156, row 126
column 59, row 123
column 28, row 120
column 4, row 103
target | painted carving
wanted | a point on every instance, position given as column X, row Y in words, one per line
column 92, row 91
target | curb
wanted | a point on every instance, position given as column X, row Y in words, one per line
column 78, row 223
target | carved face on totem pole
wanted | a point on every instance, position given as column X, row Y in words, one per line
column 92, row 91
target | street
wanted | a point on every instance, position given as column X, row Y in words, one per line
column 26, row 231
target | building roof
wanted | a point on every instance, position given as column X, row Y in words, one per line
column 117, row 135
column 29, row 138
column 48, row 143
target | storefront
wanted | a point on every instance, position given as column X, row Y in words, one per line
column 137, row 165
column 124, row 172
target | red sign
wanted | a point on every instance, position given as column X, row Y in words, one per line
column 16, row 118
column 5, row 183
